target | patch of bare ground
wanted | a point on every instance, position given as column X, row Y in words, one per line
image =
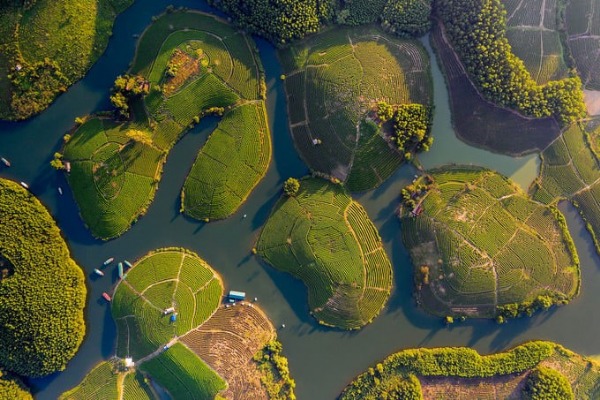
column 497, row 388
column 187, row 67
column 228, row 341
column 592, row 101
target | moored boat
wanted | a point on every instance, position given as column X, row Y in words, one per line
column 5, row 161
column 105, row 263
column 60, row 190
column 127, row 264
column 120, row 267
column 106, row 296
column 98, row 272
column 26, row 186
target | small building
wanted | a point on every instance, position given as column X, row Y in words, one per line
column 169, row 310
column 129, row 362
column 235, row 295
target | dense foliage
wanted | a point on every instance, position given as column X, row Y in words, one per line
column 11, row 388
column 291, row 186
column 43, row 295
column 45, row 46
column 407, row 17
column 126, row 89
column 275, row 372
column 477, row 31
column 356, row 12
column 547, row 384
column 279, row 21
column 412, row 128
column 444, row 362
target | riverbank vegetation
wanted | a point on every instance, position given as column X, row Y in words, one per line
column 45, row 46
column 334, row 81
column 481, row 123
column 11, row 387
column 42, row 290
column 327, row 240
column 570, row 170
column 477, row 31
column 462, row 373
column 171, row 324
column 481, row 248
column 188, row 65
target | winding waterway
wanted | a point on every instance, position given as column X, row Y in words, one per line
column 321, row 360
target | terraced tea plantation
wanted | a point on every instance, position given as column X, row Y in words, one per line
column 332, row 81
column 480, row 247
column 170, row 322
column 161, row 280
column 327, row 240
column 461, row 373
column 532, row 31
column 193, row 65
column 583, row 30
column 106, row 381
column 570, row 170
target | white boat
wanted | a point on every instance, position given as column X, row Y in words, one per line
column 26, row 186
column 120, row 267
column 5, row 161
column 60, row 190
column 127, row 263
column 105, row 263
column 98, row 272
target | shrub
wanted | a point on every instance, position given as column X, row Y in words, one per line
column 291, row 187
column 547, row 384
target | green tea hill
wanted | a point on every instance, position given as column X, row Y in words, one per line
column 187, row 65
column 171, row 323
column 326, row 239
column 481, row 248
column 334, row 82
column 533, row 370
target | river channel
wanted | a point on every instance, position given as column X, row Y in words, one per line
column 322, row 360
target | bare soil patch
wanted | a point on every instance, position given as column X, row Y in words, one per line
column 592, row 101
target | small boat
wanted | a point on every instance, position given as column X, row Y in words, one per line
column 26, row 186
column 105, row 263
column 98, row 272
column 5, row 161
column 120, row 267
column 106, row 296
column 127, row 264
column 60, row 190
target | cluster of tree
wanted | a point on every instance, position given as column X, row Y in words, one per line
column 412, row 128
column 41, row 304
column 26, row 4
column 412, row 194
column 275, row 372
column 477, row 31
column 291, row 187
column 402, row 17
column 547, row 384
column 12, row 388
column 446, row 362
column 279, row 21
column 407, row 17
column 126, row 88
column 34, row 87
column 541, row 302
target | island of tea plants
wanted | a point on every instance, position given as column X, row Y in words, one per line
column 317, row 233
column 171, row 324
column 187, row 65
column 481, row 248
column 42, row 290
column 45, row 46
column 348, row 94
column 531, row 371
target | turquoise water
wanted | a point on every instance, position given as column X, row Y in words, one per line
column 322, row 360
